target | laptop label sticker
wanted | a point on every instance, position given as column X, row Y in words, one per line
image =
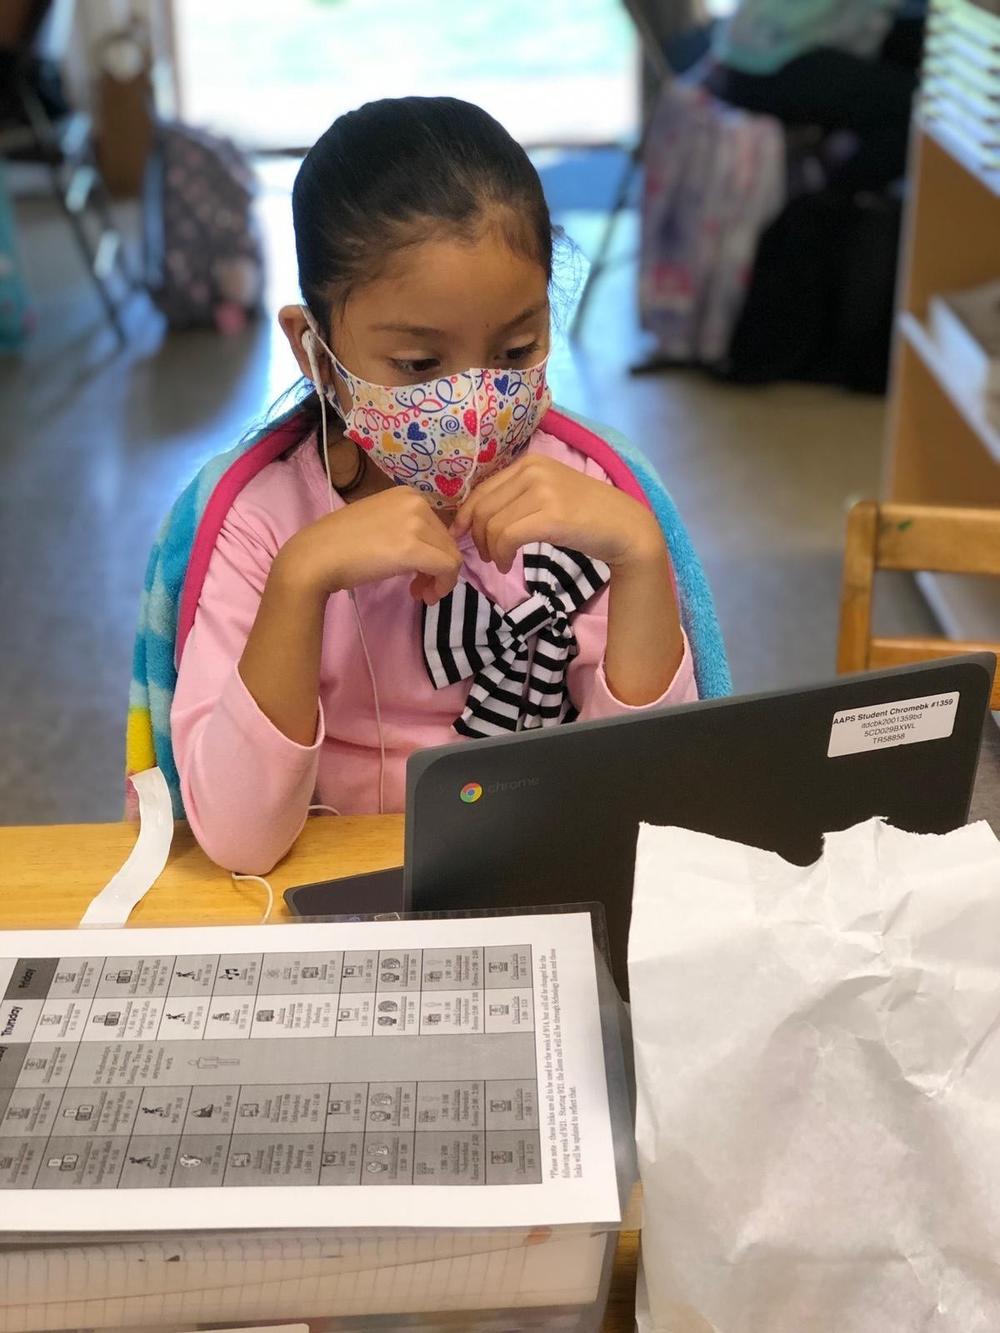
column 884, row 726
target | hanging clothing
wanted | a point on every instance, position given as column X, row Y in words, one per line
column 715, row 178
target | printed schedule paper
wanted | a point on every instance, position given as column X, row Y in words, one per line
column 444, row 1073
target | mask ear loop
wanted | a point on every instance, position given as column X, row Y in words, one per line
column 309, row 340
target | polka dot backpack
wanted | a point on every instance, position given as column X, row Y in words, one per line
column 203, row 255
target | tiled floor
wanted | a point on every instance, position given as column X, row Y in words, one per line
column 95, row 443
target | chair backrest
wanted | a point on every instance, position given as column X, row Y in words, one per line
column 912, row 538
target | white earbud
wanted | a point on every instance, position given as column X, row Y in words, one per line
column 309, row 347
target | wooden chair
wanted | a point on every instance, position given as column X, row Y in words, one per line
column 911, row 538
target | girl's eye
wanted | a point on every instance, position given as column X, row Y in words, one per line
column 422, row 366
column 519, row 353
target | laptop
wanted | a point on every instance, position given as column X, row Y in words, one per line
column 552, row 816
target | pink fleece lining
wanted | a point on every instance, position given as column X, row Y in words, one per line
column 227, row 488
column 589, row 443
column 271, row 446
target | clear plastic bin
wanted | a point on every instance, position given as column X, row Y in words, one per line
column 408, row 1280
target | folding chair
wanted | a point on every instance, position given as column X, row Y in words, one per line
column 67, row 151
column 661, row 76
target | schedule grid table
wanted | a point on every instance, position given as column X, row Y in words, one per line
column 387, row 1067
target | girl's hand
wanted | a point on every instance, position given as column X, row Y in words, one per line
column 391, row 533
column 540, row 500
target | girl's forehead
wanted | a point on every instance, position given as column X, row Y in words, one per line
column 449, row 285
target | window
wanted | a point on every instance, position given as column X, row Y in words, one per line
column 275, row 75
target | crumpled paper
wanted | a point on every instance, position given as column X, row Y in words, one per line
column 818, row 1067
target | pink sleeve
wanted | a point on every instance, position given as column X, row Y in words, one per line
column 246, row 786
column 588, row 685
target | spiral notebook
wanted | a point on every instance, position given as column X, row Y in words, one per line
column 179, row 1283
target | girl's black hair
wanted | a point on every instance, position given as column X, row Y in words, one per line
column 395, row 171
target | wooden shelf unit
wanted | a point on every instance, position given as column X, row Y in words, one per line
column 941, row 447
column 967, row 405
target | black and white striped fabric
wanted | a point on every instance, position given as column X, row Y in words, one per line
column 518, row 659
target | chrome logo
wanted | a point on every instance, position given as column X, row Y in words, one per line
column 471, row 793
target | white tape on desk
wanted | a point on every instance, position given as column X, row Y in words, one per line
column 147, row 858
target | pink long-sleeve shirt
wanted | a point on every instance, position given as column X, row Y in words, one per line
column 247, row 787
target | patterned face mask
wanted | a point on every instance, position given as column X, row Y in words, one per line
column 448, row 434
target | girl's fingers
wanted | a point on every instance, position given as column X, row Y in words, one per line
column 462, row 521
column 487, row 495
column 435, row 537
column 427, row 589
column 435, row 561
column 522, row 521
column 487, row 507
column 518, row 532
column 420, row 586
column 434, row 532
column 439, row 561
column 436, row 569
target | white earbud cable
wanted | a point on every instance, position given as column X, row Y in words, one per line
column 258, row 879
column 309, row 338
column 378, row 706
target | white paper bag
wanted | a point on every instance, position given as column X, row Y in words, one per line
column 818, row 1068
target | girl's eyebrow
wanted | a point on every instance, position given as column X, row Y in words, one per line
column 529, row 313
column 425, row 331
column 419, row 330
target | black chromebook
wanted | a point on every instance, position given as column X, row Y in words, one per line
column 552, row 816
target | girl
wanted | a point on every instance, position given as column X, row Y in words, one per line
column 427, row 563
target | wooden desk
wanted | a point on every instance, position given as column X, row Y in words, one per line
column 50, row 873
